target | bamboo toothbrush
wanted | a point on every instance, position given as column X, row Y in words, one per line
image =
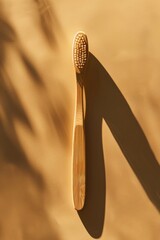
column 80, row 58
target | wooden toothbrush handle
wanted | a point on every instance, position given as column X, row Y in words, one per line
column 79, row 154
column 79, row 168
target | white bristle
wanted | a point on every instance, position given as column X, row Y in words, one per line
column 80, row 51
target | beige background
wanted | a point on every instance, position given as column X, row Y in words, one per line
column 37, row 100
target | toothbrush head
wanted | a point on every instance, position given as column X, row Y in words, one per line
column 80, row 51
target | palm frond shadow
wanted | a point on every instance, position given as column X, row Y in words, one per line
column 48, row 19
column 15, row 165
column 12, row 108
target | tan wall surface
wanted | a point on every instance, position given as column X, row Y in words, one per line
column 37, row 101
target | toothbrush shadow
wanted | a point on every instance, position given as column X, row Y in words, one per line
column 93, row 212
column 105, row 101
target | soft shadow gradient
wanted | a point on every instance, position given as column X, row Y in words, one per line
column 12, row 109
column 49, row 22
column 105, row 101
column 22, row 186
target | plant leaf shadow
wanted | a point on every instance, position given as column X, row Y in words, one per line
column 11, row 107
column 105, row 101
column 22, row 186
column 48, row 20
